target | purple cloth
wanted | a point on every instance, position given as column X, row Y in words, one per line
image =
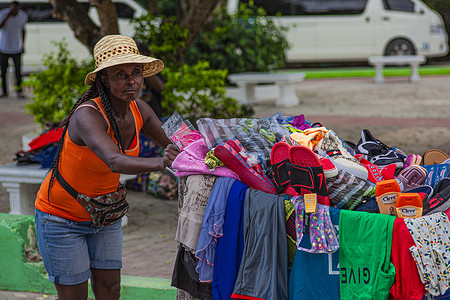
column 212, row 228
column 191, row 161
column 299, row 122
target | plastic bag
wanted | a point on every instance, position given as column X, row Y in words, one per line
column 180, row 131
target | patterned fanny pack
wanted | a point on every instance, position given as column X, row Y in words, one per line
column 105, row 209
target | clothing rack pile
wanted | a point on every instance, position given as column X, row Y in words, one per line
column 279, row 208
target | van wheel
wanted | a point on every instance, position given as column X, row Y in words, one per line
column 400, row 47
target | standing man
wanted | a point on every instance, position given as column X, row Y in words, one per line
column 12, row 28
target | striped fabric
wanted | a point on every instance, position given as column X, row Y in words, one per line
column 347, row 191
column 256, row 135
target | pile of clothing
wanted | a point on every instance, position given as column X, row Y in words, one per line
column 244, row 191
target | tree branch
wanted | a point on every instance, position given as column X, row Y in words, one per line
column 196, row 16
column 108, row 16
column 85, row 30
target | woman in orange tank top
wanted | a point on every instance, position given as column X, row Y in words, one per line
column 100, row 142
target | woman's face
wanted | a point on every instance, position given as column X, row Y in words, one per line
column 124, row 82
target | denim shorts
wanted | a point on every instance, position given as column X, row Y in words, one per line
column 70, row 249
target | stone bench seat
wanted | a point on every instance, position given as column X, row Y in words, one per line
column 285, row 82
column 412, row 60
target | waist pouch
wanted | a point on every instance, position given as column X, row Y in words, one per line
column 105, row 209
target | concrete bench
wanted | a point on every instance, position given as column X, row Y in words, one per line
column 22, row 184
column 286, row 83
column 412, row 60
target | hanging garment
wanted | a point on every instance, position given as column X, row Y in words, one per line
column 407, row 284
column 431, row 251
column 230, row 246
column 323, row 238
column 290, row 228
column 212, row 227
column 264, row 268
column 315, row 275
column 193, row 196
column 364, row 255
column 185, row 277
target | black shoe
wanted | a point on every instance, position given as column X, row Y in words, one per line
column 20, row 95
column 376, row 151
column 440, row 201
column 3, row 95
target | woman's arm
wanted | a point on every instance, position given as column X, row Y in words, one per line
column 87, row 127
column 152, row 127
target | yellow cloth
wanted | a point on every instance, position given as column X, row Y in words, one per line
column 309, row 137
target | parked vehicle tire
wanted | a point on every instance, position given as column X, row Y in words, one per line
column 400, row 47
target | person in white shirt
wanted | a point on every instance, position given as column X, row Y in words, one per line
column 12, row 28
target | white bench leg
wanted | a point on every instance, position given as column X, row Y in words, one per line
column 379, row 73
column 288, row 95
column 247, row 93
column 21, row 197
column 414, row 77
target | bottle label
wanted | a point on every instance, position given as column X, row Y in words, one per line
column 389, row 198
column 310, row 203
column 408, row 211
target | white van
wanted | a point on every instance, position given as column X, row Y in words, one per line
column 353, row 30
column 42, row 28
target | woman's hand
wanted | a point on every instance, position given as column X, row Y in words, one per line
column 170, row 153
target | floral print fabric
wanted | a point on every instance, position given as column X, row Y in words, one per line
column 431, row 253
column 321, row 231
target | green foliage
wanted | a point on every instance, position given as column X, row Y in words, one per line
column 193, row 90
column 163, row 37
column 57, row 87
column 198, row 91
column 241, row 43
column 162, row 7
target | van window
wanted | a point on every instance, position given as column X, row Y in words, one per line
column 40, row 12
column 311, row 7
column 401, row 5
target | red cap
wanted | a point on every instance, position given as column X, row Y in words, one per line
column 386, row 186
column 409, row 199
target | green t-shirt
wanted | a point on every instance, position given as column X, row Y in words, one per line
column 364, row 255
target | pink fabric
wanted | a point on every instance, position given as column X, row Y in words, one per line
column 191, row 161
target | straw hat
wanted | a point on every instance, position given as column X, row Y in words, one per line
column 114, row 50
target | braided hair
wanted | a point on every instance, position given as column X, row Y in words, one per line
column 94, row 91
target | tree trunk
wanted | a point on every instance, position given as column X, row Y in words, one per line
column 196, row 14
column 85, row 30
column 108, row 16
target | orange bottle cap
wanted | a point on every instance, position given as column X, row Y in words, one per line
column 387, row 186
column 409, row 199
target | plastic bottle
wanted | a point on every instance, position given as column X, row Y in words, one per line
column 409, row 205
column 386, row 193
